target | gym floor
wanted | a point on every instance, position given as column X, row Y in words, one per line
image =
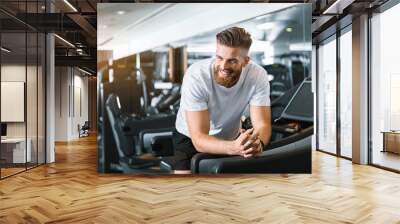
column 71, row 191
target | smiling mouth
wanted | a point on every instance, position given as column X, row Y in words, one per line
column 226, row 72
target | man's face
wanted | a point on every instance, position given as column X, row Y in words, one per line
column 229, row 64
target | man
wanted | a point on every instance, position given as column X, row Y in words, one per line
column 215, row 93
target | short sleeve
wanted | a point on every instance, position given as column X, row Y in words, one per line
column 261, row 93
column 193, row 96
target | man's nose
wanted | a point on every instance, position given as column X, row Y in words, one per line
column 224, row 64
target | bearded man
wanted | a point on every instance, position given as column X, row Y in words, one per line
column 215, row 94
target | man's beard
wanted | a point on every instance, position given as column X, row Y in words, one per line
column 226, row 80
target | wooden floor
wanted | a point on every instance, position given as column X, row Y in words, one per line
column 387, row 159
column 10, row 171
column 71, row 191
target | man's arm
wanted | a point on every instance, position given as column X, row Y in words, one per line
column 199, row 126
column 261, row 120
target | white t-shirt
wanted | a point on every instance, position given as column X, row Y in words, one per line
column 225, row 105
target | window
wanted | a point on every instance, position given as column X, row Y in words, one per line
column 346, row 93
column 385, row 87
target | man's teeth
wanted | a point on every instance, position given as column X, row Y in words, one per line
column 226, row 72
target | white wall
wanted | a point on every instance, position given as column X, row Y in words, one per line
column 70, row 83
column 12, row 73
column 62, row 81
column 314, row 90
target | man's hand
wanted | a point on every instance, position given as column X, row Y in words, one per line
column 247, row 144
column 239, row 145
column 253, row 146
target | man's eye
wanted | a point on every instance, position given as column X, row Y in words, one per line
column 233, row 61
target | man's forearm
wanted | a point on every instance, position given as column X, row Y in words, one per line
column 210, row 144
column 264, row 133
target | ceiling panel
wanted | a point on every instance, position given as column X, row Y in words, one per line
column 144, row 26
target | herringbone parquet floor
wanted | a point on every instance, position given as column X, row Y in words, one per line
column 71, row 191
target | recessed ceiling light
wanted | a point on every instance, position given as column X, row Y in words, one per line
column 289, row 29
column 120, row 12
column 43, row 7
column 70, row 5
column 64, row 40
column 84, row 71
column 5, row 50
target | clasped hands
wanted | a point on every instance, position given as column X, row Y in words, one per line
column 248, row 144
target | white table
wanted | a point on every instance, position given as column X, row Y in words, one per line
column 18, row 148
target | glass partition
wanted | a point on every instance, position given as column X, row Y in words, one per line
column 22, row 89
column 14, row 153
column 327, row 96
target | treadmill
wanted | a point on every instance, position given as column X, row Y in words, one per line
column 288, row 153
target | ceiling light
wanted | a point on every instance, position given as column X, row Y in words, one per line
column 64, row 40
column 70, row 5
column 5, row 50
column 120, row 12
column 338, row 6
column 266, row 26
column 261, row 17
column 289, row 29
column 300, row 47
column 333, row 6
column 86, row 72
column 79, row 50
column 43, row 7
column 209, row 48
column 261, row 46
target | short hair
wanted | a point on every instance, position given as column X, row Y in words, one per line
column 235, row 37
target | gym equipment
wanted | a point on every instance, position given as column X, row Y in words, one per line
column 289, row 154
column 136, row 136
column 127, row 129
column 281, row 81
column 163, row 102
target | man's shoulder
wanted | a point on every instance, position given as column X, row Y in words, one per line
column 200, row 69
column 254, row 67
column 203, row 64
column 257, row 73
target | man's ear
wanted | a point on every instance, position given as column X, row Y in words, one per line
column 246, row 60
